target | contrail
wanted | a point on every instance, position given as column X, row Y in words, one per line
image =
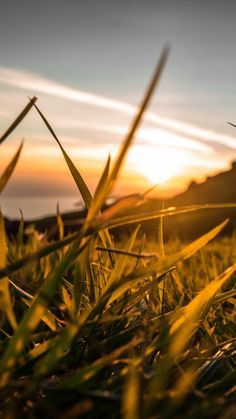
column 37, row 84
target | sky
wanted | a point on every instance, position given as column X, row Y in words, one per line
column 89, row 63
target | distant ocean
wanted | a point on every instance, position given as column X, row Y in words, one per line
column 37, row 207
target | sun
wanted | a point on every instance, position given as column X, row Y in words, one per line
column 159, row 164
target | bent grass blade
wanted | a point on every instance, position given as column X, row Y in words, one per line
column 33, row 317
column 106, row 190
column 9, row 169
column 17, row 121
column 97, row 226
column 60, row 344
column 183, row 328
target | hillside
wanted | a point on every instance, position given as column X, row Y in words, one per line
column 220, row 188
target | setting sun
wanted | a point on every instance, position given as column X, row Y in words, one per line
column 160, row 164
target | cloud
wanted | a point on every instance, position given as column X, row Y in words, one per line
column 184, row 132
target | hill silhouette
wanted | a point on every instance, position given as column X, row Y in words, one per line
column 220, row 188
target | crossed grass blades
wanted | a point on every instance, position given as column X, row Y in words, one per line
column 130, row 329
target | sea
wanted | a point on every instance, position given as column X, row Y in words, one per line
column 37, row 207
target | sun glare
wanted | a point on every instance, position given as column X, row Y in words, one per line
column 159, row 165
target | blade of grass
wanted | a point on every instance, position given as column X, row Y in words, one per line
column 19, row 243
column 18, row 119
column 60, row 344
column 36, row 256
column 60, row 223
column 85, row 193
column 219, row 298
column 104, row 192
column 78, row 378
column 167, row 264
column 132, row 395
column 80, row 183
column 33, row 316
column 9, row 169
column 187, row 323
column 152, row 215
column 125, row 252
column 101, row 226
column 104, row 178
column 6, row 305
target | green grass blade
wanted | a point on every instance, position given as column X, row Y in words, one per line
column 9, row 169
column 125, row 252
column 193, row 247
column 3, row 242
column 121, row 263
column 186, row 324
column 48, row 318
column 36, row 256
column 6, row 305
column 62, row 343
column 97, row 226
column 219, row 298
column 136, row 296
column 104, row 192
column 104, row 178
column 18, row 119
column 33, row 317
column 78, row 378
column 152, row 215
column 60, row 223
column 134, row 126
column 85, row 193
column 19, row 242
column 167, row 263
column 132, row 395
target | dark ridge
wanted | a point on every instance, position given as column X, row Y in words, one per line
column 220, row 188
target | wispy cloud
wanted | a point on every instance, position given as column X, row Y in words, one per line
column 184, row 132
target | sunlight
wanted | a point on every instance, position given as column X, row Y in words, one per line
column 160, row 164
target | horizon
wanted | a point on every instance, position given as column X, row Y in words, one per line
column 89, row 79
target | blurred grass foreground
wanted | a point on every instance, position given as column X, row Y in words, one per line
column 129, row 329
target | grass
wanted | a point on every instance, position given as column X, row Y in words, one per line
column 134, row 329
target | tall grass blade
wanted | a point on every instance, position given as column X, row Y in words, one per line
column 36, row 256
column 6, row 305
column 3, row 242
column 152, row 215
column 78, row 378
column 60, row 223
column 20, row 234
column 132, row 396
column 187, row 323
column 103, row 179
column 18, row 119
column 9, row 169
column 97, row 226
column 61, row 344
column 128, row 140
column 85, row 193
column 33, row 317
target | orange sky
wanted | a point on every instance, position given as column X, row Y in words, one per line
column 90, row 66
column 42, row 170
column 166, row 151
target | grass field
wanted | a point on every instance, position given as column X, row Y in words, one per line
column 135, row 328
